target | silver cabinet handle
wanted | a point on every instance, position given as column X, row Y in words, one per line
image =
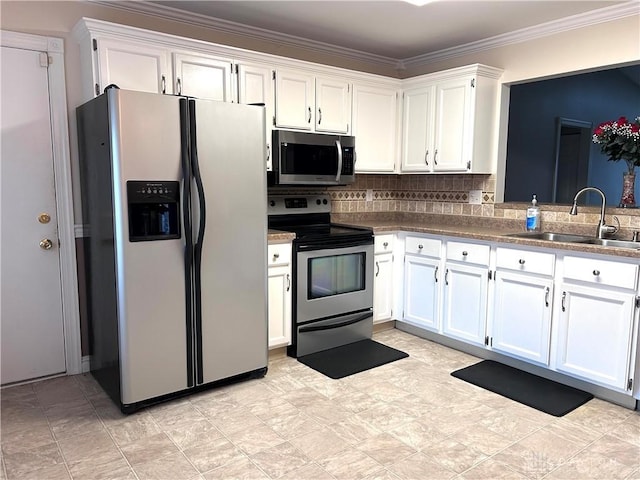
column 288, row 282
column 179, row 86
column 564, row 297
column 446, row 277
column 546, row 297
column 385, row 244
column 163, row 83
column 596, row 273
column 521, row 261
column 426, row 155
column 319, row 115
column 309, row 119
column 435, row 274
column 420, row 247
column 377, row 269
column 276, row 256
column 435, row 157
column 465, row 253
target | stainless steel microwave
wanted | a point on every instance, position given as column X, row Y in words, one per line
column 312, row 159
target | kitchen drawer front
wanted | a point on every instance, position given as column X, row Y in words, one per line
column 278, row 254
column 429, row 247
column 601, row 272
column 468, row 253
column 383, row 243
column 525, row 261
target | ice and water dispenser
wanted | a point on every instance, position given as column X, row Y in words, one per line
column 154, row 210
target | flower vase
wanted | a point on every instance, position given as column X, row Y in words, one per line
column 628, row 199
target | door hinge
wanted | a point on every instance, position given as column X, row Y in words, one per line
column 486, row 340
column 638, row 302
column 469, row 165
column 235, row 68
column 490, row 275
column 95, row 45
column 97, row 89
column 44, row 59
column 274, row 120
column 630, row 384
column 473, row 83
column 273, row 74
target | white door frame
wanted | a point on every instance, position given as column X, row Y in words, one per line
column 63, row 185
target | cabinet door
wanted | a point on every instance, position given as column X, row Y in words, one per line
column 133, row 66
column 521, row 323
column 333, row 106
column 417, row 142
column 374, row 126
column 422, row 292
column 594, row 334
column 453, row 125
column 294, row 100
column 203, row 76
column 465, row 302
column 279, row 287
column 255, row 85
column 383, row 287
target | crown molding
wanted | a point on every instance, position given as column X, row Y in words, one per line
column 602, row 15
column 199, row 20
column 606, row 14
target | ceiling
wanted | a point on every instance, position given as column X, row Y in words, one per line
column 391, row 31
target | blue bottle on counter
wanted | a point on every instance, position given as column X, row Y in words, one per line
column 533, row 216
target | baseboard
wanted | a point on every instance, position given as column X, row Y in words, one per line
column 386, row 325
column 85, row 366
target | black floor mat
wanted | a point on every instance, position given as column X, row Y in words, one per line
column 352, row 358
column 537, row 392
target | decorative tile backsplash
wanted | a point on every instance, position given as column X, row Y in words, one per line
column 448, row 194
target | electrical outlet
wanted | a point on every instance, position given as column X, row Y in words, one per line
column 475, row 197
column 369, row 197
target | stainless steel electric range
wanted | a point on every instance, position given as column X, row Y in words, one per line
column 332, row 274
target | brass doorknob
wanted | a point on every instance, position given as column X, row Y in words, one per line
column 44, row 218
column 46, row 244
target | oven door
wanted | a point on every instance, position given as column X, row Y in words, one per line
column 332, row 281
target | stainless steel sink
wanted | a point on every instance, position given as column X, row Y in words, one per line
column 553, row 237
column 608, row 242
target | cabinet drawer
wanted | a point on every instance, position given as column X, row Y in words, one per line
column 279, row 254
column 525, row 261
column 383, row 243
column 429, row 247
column 601, row 272
column 468, row 253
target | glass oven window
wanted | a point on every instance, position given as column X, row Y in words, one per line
column 335, row 275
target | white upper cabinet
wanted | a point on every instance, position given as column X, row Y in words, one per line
column 203, row 76
column 304, row 102
column 132, row 66
column 255, row 85
column 375, row 128
column 450, row 121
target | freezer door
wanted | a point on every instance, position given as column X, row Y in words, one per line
column 231, row 336
column 152, row 318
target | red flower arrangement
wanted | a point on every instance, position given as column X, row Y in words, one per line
column 620, row 140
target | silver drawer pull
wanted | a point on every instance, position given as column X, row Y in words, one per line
column 420, row 247
column 521, row 261
column 596, row 273
column 276, row 256
column 465, row 253
column 385, row 244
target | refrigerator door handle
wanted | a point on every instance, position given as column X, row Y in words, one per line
column 185, row 164
column 197, row 249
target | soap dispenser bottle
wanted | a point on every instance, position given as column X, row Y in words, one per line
column 533, row 216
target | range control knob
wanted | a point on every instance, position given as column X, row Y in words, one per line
column 318, row 201
column 324, row 201
column 272, row 203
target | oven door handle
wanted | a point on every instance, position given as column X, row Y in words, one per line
column 339, row 147
column 318, row 328
column 324, row 245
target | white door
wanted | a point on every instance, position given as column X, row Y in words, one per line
column 32, row 329
column 453, row 123
column 203, row 76
column 294, row 100
column 465, row 302
column 279, row 288
column 422, row 291
column 383, row 287
column 333, row 106
column 417, row 149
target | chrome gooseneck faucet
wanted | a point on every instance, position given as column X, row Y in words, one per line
column 603, row 228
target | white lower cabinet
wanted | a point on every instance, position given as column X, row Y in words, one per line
column 383, row 278
column 466, row 282
column 520, row 324
column 422, row 282
column 279, row 294
column 596, row 314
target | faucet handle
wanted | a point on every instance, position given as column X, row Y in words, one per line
column 609, row 229
column 636, row 236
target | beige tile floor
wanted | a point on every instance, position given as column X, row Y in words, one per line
column 405, row 420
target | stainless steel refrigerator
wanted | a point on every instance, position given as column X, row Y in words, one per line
column 174, row 202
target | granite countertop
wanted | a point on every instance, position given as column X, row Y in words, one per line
column 279, row 236
column 488, row 232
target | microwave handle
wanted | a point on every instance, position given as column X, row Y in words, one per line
column 339, row 147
